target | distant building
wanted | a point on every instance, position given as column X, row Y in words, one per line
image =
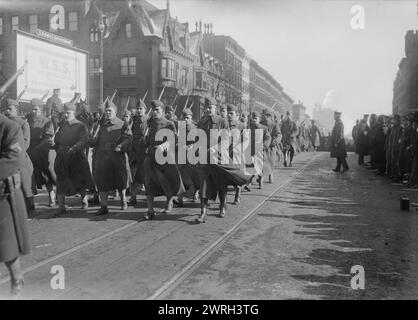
column 405, row 86
column 298, row 112
column 324, row 117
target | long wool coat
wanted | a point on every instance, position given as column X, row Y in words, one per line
column 72, row 168
column 337, row 140
column 14, row 239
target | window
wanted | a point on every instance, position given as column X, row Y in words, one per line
column 15, row 23
column 183, row 77
column 127, row 66
column 72, row 21
column 94, row 34
column 94, row 66
column 199, row 80
column 33, row 23
column 168, row 69
column 1, row 25
column 128, row 30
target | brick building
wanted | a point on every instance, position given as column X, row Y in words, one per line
column 298, row 112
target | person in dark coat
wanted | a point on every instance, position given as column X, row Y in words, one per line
column 314, row 136
column 139, row 131
column 109, row 162
column 338, row 144
column 276, row 138
column 405, row 156
column 289, row 131
column 256, row 124
column 372, row 134
column 354, row 134
column 54, row 108
column 363, row 141
column 71, row 165
column 395, row 144
column 41, row 135
column 188, row 171
column 27, row 169
column 379, row 141
column 160, row 179
column 14, row 237
column 413, row 177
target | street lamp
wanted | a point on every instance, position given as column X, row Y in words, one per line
column 101, row 29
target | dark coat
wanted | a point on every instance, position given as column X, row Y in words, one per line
column 315, row 136
column 110, row 169
column 363, row 139
column 53, row 110
column 268, row 155
column 337, row 140
column 14, row 239
column 72, row 167
column 160, row 179
column 41, row 132
column 189, row 173
column 139, row 130
column 289, row 131
column 27, row 168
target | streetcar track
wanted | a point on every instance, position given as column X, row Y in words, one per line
column 175, row 280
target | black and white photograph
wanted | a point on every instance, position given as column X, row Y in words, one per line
column 221, row 152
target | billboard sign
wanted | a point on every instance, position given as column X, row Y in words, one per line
column 50, row 65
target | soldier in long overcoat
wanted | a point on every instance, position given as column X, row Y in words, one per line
column 161, row 179
column 363, row 141
column 14, row 238
column 338, row 144
column 109, row 160
column 27, row 169
column 54, row 108
column 395, row 142
column 289, row 131
column 276, row 137
column 41, row 135
column 71, row 165
column 314, row 136
column 139, row 131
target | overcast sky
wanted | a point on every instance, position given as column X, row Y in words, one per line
column 311, row 49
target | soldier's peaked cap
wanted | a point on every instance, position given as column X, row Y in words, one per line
column 256, row 114
column 187, row 112
column 157, row 104
column 209, row 101
column 141, row 104
column 36, row 102
column 12, row 102
column 110, row 104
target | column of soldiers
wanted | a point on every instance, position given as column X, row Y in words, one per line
column 392, row 144
column 52, row 146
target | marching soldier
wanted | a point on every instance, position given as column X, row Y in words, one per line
column 188, row 171
column 276, row 138
column 160, row 179
column 169, row 114
column 338, row 144
column 54, row 108
column 256, row 124
column 41, row 134
column 314, row 136
column 235, row 123
column 289, row 130
column 71, row 165
column 109, row 164
column 223, row 112
column 27, row 169
column 139, row 130
column 14, row 239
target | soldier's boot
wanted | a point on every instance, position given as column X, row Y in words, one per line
column 179, row 201
column 95, row 199
column 123, row 202
column 132, row 201
column 16, row 287
column 150, row 214
column 270, row 178
column 222, row 212
column 102, row 211
column 169, row 206
column 31, row 204
column 16, row 282
column 203, row 212
column 51, row 198
column 61, row 204
column 260, row 182
column 196, row 196
column 237, row 198
column 84, row 201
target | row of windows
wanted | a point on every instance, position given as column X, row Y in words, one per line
column 95, row 33
column 234, row 62
column 33, row 22
column 127, row 66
